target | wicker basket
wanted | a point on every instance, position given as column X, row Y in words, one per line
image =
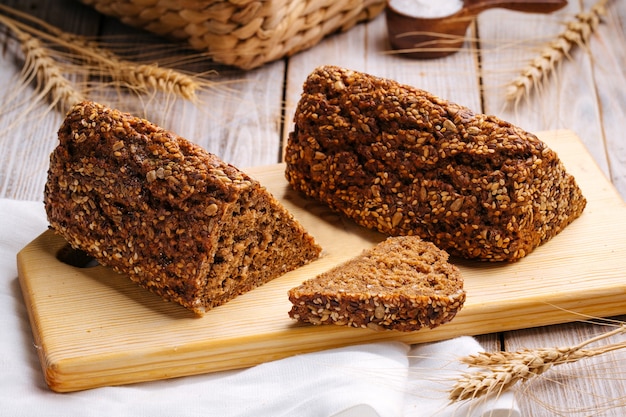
column 242, row 33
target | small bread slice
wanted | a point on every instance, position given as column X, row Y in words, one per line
column 404, row 283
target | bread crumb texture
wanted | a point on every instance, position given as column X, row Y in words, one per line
column 404, row 283
column 405, row 162
column 173, row 217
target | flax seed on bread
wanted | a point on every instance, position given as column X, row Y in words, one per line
column 173, row 217
column 405, row 162
column 404, row 283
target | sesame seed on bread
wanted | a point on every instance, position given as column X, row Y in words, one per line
column 173, row 217
column 404, row 162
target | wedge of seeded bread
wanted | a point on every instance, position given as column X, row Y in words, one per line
column 402, row 161
column 173, row 217
column 404, row 283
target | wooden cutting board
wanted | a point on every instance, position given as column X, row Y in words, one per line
column 94, row 327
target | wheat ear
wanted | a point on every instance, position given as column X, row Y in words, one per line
column 577, row 33
column 39, row 66
column 140, row 77
column 501, row 370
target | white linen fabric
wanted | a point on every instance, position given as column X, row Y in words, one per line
column 433, row 368
column 386, row 379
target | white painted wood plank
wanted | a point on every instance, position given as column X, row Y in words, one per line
column 593, row 386
column 608, row 51
column 565, row 99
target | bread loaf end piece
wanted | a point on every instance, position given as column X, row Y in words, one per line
column 403, row 283
column 405, row 162
column 173, row 217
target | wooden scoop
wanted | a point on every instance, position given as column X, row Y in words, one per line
column 438, row 37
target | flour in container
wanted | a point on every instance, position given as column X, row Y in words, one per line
column 427, row 8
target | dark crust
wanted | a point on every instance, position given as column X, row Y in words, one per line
column 403, row 284
column 405, row 162
column 173, row 217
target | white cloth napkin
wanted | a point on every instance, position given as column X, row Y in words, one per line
column 386, row 379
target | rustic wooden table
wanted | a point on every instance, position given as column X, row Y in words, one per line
column 245, row 119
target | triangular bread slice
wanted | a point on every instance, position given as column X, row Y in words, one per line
column 403, row 283
column 172, row 216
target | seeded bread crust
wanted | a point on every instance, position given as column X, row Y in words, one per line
column 173, row 217
column 405, row 162
column 403, row 283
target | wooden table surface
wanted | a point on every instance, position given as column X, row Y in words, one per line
column 245, row 117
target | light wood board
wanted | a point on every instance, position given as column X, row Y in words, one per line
column 94, row 327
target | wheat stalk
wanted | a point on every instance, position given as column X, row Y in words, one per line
column 162, row 79
column 49, row 78
column 142, row 77
column 501, row 370
column 39, row 66
column 139, row 77
column 577, row 33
